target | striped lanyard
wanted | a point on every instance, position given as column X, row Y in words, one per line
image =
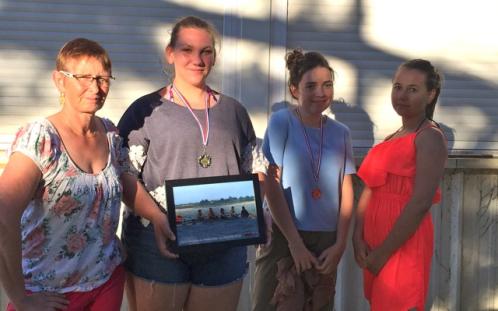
column 204, row 131
column 315, row 169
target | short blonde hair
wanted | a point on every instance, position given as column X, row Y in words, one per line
column 81, row 47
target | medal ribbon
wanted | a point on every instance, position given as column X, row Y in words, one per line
column 315, row 171
column 204, row 132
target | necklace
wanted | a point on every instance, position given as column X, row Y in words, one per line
column 402, row 128
column 316, row 193
column 204, row 160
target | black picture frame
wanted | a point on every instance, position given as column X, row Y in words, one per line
column 217, row 211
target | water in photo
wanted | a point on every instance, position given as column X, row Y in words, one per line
column 215, row 212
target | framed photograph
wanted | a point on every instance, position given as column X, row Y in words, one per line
column 215, row 211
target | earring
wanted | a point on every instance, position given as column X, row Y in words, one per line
column 62, row 98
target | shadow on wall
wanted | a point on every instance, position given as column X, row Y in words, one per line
column 110, row 24
column 449, row 133
column 359, row 123
column 129, row 32
column 370, row 63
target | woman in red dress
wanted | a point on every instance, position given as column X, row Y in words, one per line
column 393, row 237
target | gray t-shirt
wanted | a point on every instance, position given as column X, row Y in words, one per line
column 165, row 140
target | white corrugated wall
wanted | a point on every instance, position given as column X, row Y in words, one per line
column 133, row 32
column 365, row 41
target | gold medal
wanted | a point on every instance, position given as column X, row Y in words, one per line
column 204, row 160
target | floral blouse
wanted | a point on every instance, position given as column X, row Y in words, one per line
column 68, row 229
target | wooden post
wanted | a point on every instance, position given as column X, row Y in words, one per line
column 455, row 240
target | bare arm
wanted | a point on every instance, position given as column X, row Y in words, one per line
column 361, row 249
column 266, row 212
column 331, row 256
column 430, row 160
column 346, row 211
column 135, row 196
column 18, row 184
column 262, row 179
column 303, row 259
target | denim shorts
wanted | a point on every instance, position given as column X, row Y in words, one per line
column 213, row 267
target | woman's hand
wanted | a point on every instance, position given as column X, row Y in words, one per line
column 329, row 259
column 361, row 251
column 43, row 301
column 135, row 196
column 375, row 261
column 163, row 233
column 303, row 258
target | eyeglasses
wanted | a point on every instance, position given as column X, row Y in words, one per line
column 87, row 80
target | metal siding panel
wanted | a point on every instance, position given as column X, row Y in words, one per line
column 31, row 33
column 322, row 26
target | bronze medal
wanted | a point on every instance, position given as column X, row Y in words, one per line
column 316, row 193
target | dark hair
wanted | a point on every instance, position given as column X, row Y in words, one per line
column 433, row 80
column 193, row 22
column 298, row 63
column 81, row 47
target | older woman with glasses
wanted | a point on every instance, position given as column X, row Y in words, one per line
column 60, row 197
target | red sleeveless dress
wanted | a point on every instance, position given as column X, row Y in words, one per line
column 389, row 171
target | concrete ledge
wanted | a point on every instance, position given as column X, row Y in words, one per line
column 476, row 162
column 473, row 163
